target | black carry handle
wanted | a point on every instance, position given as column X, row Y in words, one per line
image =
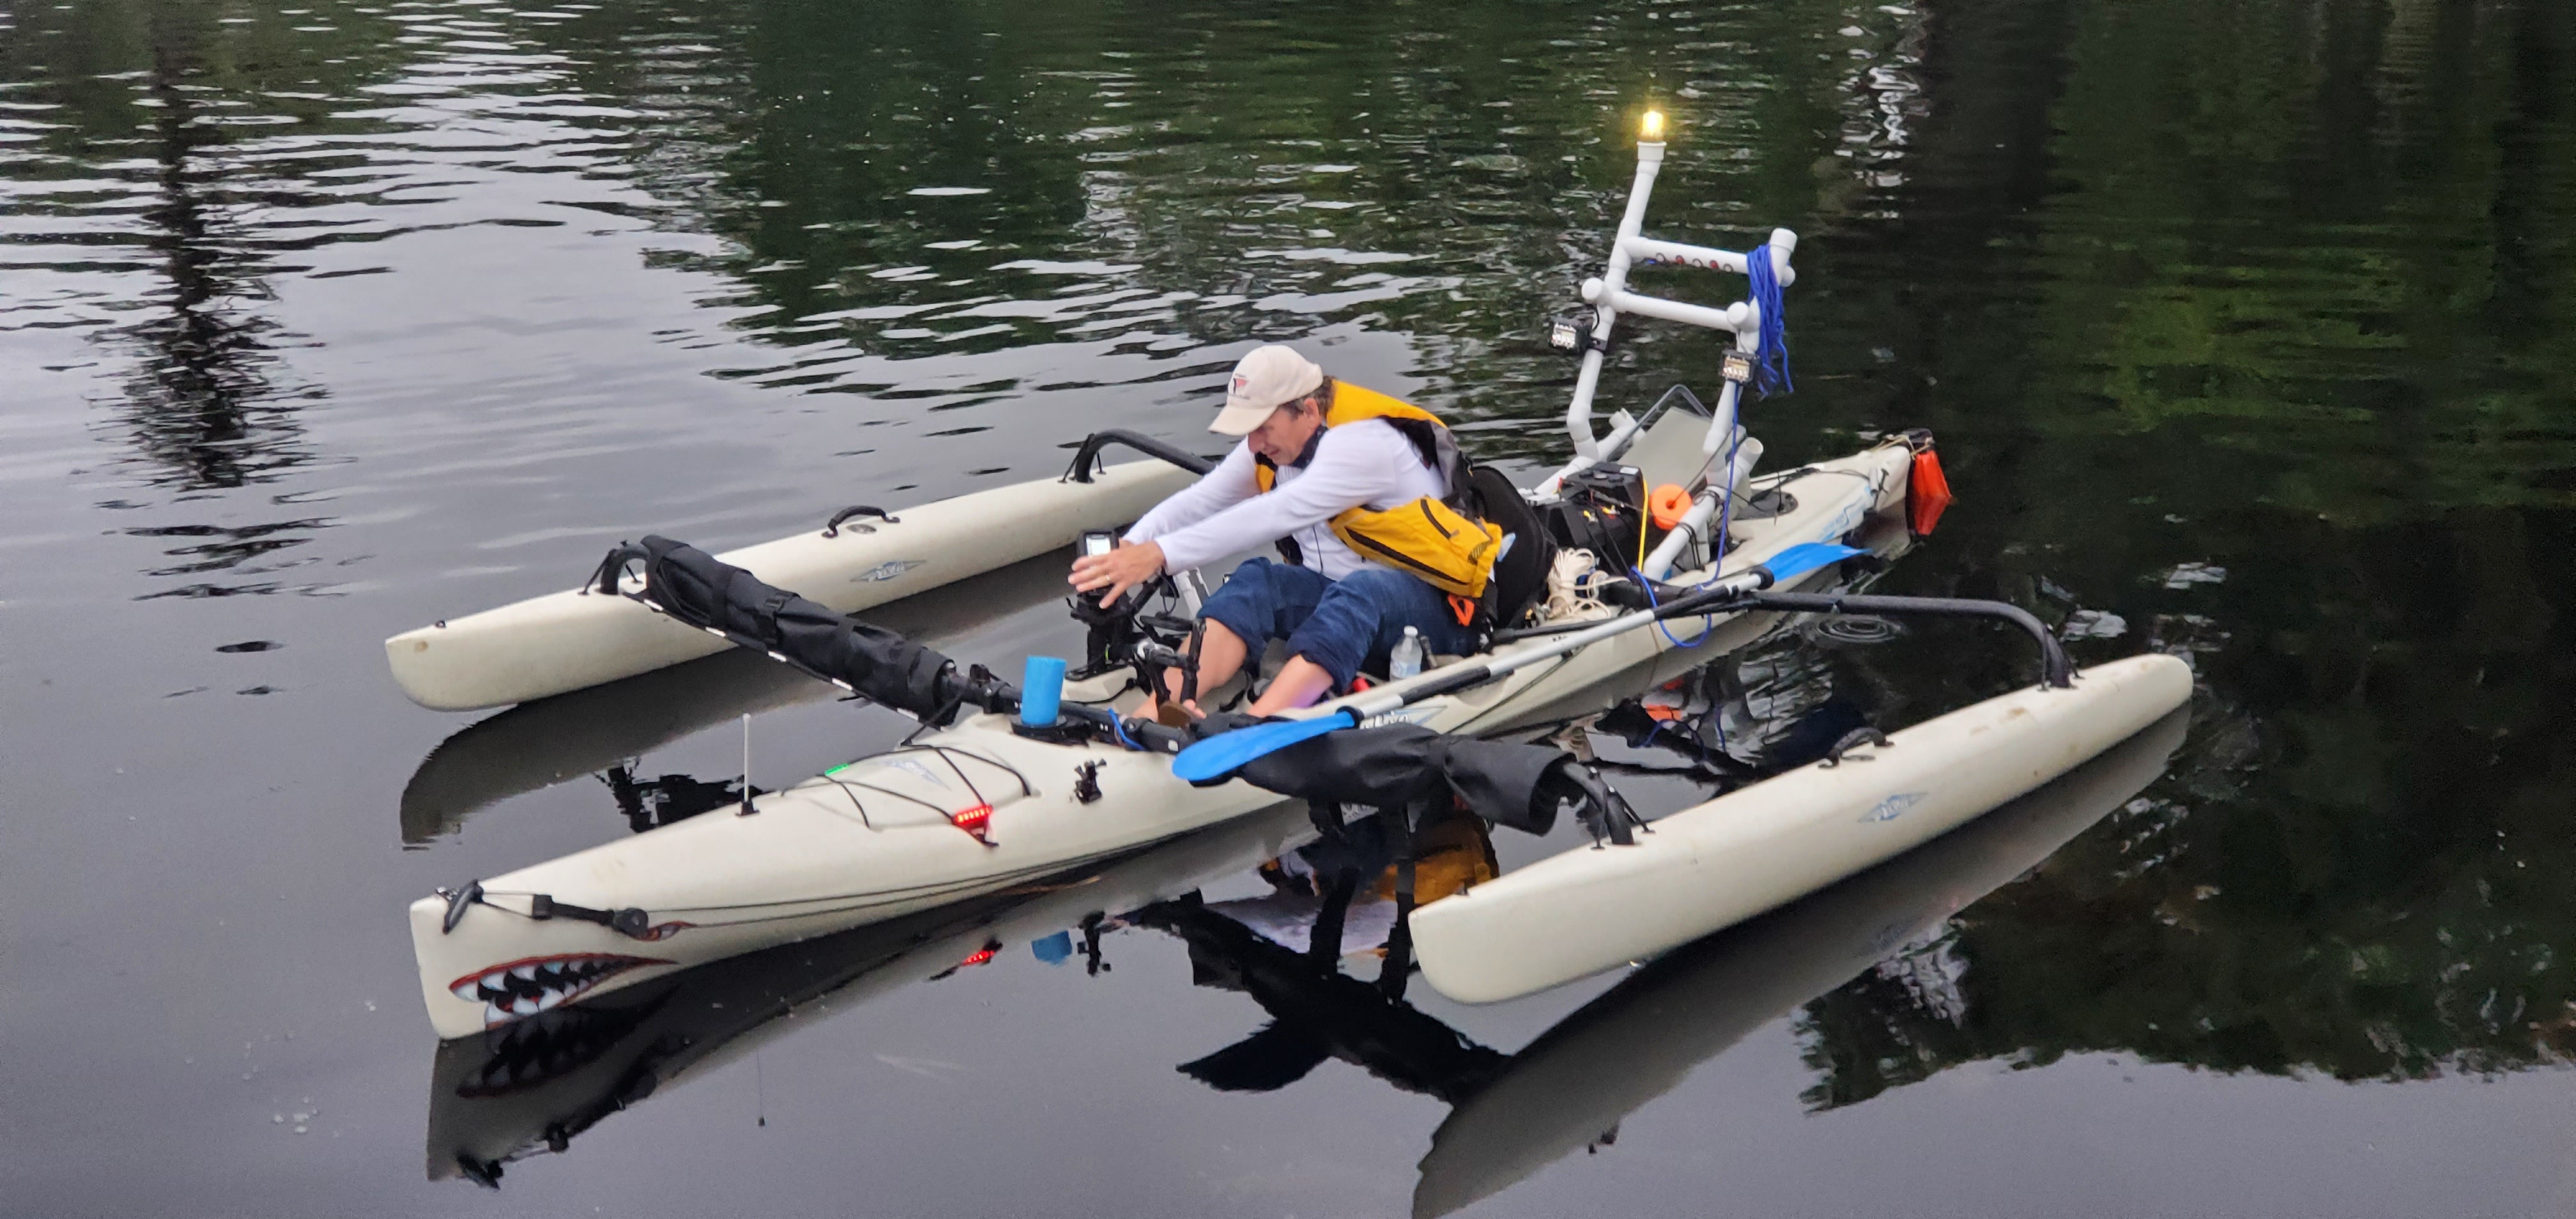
column 1086, row 458
column 832, row 527
column 604, row 578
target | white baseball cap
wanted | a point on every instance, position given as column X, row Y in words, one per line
column 1270, row 376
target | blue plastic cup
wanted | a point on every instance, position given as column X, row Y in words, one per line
column 1041, row 691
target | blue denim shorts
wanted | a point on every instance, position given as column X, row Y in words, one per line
column 1344, row 625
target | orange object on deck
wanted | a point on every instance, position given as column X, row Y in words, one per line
column 1669, row 503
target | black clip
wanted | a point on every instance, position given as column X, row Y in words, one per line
column 1854, row 739
column 458, row 901
column 1605, row 813
column 1086, row 782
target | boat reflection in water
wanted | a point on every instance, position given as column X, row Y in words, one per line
column 1571, row 1086
column 601, row 730
column 534, row 1085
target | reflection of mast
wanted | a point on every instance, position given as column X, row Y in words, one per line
column 1571, row 1087
column 1317, row 1011
column 205, row 371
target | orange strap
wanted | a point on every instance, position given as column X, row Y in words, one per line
column 1463, row 608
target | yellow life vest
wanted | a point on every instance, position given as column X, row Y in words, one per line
column 1429, row 537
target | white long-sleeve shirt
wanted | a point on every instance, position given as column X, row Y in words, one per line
column 1364, row 463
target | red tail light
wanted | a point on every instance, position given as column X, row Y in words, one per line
column 972, row 820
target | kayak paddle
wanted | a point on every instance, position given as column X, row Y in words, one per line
column 1225, row 752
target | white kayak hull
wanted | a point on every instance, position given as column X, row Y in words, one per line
column 821, row 857
column 869, row 842
column 572, row 640
column 1642, row 1038
column 496, row 1099
column 1719, row 863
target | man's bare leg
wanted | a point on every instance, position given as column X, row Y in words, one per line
column 1299, row 684
column 1221, row 654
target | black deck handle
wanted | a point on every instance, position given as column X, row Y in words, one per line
column 1086, row 458
column 603, row 578
column 2055, row 669
column 832, row 527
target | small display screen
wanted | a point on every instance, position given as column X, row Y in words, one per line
column 1098, row 542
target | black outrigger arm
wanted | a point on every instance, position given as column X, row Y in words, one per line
column 1086, row 456
column 2055, row 670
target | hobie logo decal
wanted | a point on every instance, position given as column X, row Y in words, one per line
column 1893, row 807
column 886, row 570
column 1401, row 715
column 1848, row 520
column 913, row 768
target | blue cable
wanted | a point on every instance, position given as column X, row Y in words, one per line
column 1725, row 522
column 1726, row 501
column 1771, row 362
column 1649, row 586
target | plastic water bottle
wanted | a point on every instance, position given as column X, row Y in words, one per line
column 1406, row 660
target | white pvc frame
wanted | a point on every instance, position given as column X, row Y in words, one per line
column 1609, row 296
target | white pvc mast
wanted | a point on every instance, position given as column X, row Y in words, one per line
column 1609, row 297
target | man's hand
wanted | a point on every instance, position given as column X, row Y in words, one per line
column 1121, row 569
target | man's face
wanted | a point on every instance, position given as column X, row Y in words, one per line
column 1282, row 437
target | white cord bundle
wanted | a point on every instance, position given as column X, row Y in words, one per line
column 1568, row 596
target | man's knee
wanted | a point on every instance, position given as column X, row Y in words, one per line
column 1378, row 584
column 1392, row 596
column 1244, row 603
column 1256, row 568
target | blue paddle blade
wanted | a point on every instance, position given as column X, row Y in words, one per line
column 1222, row 754
column 1805, row 557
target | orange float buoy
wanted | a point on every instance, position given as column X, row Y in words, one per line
column 1669, row 504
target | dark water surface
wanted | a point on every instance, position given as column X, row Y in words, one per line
column 2247, row 327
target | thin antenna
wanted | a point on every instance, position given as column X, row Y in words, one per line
column 746, row 766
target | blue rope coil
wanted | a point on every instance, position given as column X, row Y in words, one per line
column 1771, row 361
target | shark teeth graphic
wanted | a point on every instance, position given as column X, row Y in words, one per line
column 517, row 989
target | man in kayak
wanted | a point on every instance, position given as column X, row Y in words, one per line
column 1361, row 487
